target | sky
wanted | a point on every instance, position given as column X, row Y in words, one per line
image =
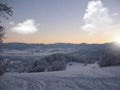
column 66, row 21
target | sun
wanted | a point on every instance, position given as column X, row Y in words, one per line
column 117, row 40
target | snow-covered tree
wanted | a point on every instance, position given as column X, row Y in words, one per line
column 110, row 58
column 4, row 11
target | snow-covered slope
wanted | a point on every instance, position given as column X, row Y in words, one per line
column 76, row 77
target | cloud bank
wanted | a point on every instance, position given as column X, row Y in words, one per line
column 27, row 27
column 97, row 18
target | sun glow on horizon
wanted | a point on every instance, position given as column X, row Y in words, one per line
column 117, row 40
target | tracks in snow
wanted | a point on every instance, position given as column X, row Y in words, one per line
column 40, row 82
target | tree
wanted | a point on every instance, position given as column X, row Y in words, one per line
column 110, row 58
column 5, row 11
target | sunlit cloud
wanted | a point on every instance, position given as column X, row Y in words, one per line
column 27, row 27
column 98, row 19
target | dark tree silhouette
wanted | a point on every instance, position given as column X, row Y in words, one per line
column 5, row 11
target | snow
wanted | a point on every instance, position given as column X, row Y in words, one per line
column 77, row 76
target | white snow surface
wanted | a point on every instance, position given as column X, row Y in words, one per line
column 77, row 76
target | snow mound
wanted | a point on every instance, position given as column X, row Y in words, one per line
column 79, row 66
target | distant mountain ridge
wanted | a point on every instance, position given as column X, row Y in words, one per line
column 23, row 46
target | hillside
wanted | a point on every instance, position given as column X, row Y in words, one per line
column 76, row 77
column 21, row 57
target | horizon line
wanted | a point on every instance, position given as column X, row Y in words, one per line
column 60, row 43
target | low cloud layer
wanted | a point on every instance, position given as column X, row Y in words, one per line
column 97, row 18
column 27, row 27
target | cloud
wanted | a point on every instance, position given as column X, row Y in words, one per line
column 97, row 18
column 27, row 27
column 11, row 23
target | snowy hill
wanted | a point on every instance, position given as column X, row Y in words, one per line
column 76, row 62
column 76, row 77
column 21, row 57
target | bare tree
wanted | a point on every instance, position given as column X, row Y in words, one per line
column 5, row 11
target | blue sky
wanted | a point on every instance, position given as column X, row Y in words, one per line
column 56, row 20
column 53, row 10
